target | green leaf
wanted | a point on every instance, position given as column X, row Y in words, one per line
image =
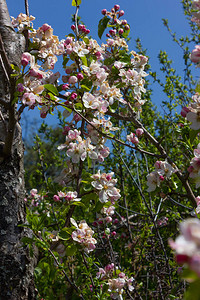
column 63, row 235
column 70, row 250
column 76, row 2
column 78, row 106
column 193, row 134
column 89, row 161
column 102, row 26
column 51, row 88
column 84, row 60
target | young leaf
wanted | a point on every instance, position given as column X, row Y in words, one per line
column 76, row 2
column 102, row 26
column 51, row 88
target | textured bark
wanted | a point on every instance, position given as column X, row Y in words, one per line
column 16, row 266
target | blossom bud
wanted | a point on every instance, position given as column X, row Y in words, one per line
column 73, row 27
column 66, row 129
column 65, row 86
column 113, row 10
column 116, row 221
column 87, row 31
column 121, row 31
column 104, row 12
column 108, row 35
column 80, row 76
column 121, row 275
column 20, row 87
column 77, row 118
column 121, row 13
column 190, row 169
column 124, row 22
column 98, row 55
column 184, row 111
column 116, row 7
column 68, row 40
column 114, row 233
column 108, row 219
column 127, row 27
column 112, row 32
column 81, row 27
column 56, row 198
column 139, row 131
column 72, row 80
column 195, row 55
column 45, row 27
column 73, row 96
column 68, row 71
column 161, row 178
column 135, row 140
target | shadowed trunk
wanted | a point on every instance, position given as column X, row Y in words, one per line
column 16, row 266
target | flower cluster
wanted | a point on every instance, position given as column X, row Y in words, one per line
column 22, row 22
column 196, row 12
column 115, row 285
column 192, row 112
column 105, row 184
column 133, row 138
column 79, row 148
column 34, row 198
column 187, row 245
column 83, row 235
column 162, row 170
column 194, row 168
column 67, row 197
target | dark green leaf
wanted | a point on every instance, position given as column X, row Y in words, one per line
column 102, row 26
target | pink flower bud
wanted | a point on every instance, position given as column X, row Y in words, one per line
column 161, row 178
column 65, row 86
column 73, row 27
column 121, row 13
column 139, row 131
column 124, row 22
column 56, row 198
column 72, row 80
column 195, row 55
column 122, row 275
column 73, row 96
column 66, row 129
column 104, row 11
column 190, row 169
column 114, row 233
column 20, row 87
column 24, row 62
column 68, row 40
column 77, row 118
column 108, row 35
column 80, row 76
column 135, row 140
column 116, row 221
column 121, row 31
column 108, row 219
column 184, row 111
column 81, row 27
column 87, row 31
column 45, row 27
column 127, row 27
column 116, row 7
column 112, row 32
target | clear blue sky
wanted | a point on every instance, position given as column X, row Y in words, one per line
column 144, row 17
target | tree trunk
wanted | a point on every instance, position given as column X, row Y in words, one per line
column 16, row 266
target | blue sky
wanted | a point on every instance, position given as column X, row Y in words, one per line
column 144, row 17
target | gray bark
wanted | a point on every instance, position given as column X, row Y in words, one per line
column 16, row 266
